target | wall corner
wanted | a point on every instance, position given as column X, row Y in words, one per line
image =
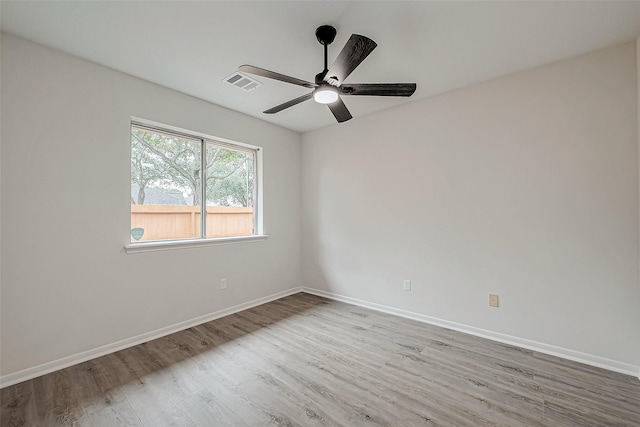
column 638, row 167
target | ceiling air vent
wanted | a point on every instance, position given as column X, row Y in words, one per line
column 243, row 82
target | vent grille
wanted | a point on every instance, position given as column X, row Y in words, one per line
column 242, row 81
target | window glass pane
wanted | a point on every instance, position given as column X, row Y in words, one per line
column 230, row 191
column 165, row 186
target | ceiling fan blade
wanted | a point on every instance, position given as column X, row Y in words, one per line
column 378, row 89
column 289, row 104
column 340, row 111
column 353, row 53
column 276, row 76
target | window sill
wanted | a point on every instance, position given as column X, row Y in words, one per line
column 168, row 245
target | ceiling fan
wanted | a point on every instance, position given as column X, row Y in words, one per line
column 329, row 84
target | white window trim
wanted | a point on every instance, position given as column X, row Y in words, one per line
column 163, row 245
column 166, row 245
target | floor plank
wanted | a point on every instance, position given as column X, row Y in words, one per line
column 308, row 361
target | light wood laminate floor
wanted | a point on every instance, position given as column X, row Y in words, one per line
column 304, row 360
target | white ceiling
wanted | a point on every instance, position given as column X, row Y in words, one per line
column 192, row 46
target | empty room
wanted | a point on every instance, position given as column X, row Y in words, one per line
column 319, row 213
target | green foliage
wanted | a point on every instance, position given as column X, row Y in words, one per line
column 170, row 164
column 230, row 176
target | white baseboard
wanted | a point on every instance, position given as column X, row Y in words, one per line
column 576, row 356
column 45, row 368
column 65, row 362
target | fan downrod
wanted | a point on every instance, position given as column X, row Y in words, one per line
column 325, row 35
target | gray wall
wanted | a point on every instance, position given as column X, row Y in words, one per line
column 525, row 186
column 67, row 284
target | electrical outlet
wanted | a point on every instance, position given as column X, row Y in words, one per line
column 407, row 285
column 493, row 300
column 223, row 283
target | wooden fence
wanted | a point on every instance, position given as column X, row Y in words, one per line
column 161, row 222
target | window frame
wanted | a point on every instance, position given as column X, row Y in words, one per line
column 204, row 139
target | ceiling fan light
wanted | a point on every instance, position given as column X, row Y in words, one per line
column 325, row 95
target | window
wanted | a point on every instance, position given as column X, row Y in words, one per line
column 188, row 186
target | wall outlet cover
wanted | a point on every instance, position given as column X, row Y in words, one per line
column 494, row 300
